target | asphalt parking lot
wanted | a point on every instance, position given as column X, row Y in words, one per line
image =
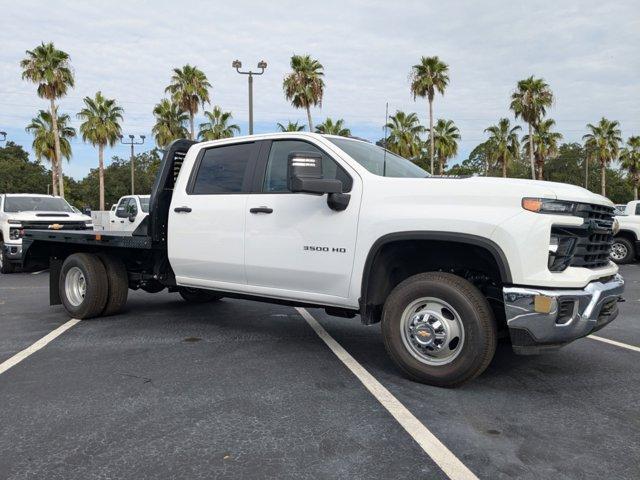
column 239, row 389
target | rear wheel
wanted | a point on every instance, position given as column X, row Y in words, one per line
column 83, row 285
column 622, row 250
column 5, row 265
column 439, row 329
column 118, row 284
column 198, row 295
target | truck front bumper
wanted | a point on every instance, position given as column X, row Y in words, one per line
column 542, row 319
column 12, row 252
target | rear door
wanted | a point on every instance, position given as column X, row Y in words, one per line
column 206, row 218
column 294, row 241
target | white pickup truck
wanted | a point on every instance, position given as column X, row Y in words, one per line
column 626, row 244
column 20, row 212
column 446, row 264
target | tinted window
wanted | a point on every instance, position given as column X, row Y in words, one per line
column 36, row 204
column 275, row 179
column 222, row 169
column 144, row 204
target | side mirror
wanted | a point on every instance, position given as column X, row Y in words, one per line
column 132, row 217
column 304, row 174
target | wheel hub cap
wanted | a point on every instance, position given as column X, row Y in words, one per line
column 618, row 251
column 75, row 286
column 432, row 331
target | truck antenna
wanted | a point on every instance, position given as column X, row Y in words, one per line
column 384, row 158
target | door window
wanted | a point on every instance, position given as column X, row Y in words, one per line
column 275, row 179
column 223, row 170
column 122, row 209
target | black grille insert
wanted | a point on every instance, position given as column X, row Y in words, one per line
column 591, row 241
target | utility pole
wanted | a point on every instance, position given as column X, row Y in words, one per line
column 132, row 142
column 262, row 65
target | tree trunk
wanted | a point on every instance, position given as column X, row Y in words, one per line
column 56, row 140
column 533, row 168
column 635, row 191
column 504, row 168
column 431, row 145
column 191, row 126
column 101, row 174
column 603, row 179
column 541, row 168
column 54, row 176
column 441, row 165
column 310, row 123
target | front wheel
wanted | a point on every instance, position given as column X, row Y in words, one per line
column 622, row 250
column 198, row 295
column 439, row 329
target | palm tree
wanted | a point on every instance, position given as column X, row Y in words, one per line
column 429, row 76
column 445, row 136
column 304, row 86
column 630, row 157
column 217, row 127
column 44, row 145
column 51, row 70
column 169, row 124
column 530, row 102
column 545, row 144
column 189, row 88
column 329, row 127
column 503, row 144
column 290, row 127
column 404, row 135
column 101, row 127
column 603, row 144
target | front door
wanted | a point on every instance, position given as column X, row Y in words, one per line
column 294, row 241
column 206, row 218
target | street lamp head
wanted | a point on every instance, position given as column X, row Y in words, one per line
column 120, row 136
column 143, row 137
column 262, row 64
column 236, row 64
column 132, row 137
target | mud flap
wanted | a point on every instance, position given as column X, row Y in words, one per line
column 55, row 265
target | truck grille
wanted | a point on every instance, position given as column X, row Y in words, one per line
column 589, row 244
column 44, row 225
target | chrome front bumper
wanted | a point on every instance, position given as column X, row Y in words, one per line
column 542, row 319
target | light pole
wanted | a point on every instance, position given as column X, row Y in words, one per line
column 3, row 136
column 132, row 142
column 262, row 65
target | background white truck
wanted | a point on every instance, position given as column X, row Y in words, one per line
column 128, row 213
column 446, row 264
column 20, row 212
column 626, row 245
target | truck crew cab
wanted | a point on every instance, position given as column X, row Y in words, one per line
column 446, row 264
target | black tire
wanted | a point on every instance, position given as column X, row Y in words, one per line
column 5, row 265
column 118, row 284
column 621, row 245
column 97, row 286
column 198, row 295
column 475, row 314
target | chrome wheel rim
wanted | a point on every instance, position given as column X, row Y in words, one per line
column 75, row 286
column 432, row 331
column 618, row 251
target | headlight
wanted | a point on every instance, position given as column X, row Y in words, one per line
column 15, row 233
column 88, row 222
column 545, row 205
column 14, row 222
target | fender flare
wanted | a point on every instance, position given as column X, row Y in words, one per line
column 465, row 238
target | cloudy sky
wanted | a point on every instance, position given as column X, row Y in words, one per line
column 588, row 51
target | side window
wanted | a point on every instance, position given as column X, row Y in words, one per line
column 223, row 169
column 121, row 209
column 275, row 178
column 637, row 208
column 132, row 208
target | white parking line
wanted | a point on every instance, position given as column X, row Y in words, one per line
column 18, row 357
column 441, row 455
column 613, row 342
column 39, row 272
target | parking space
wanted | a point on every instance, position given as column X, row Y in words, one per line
column 244, row 389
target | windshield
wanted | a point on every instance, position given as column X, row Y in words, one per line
column 374, row 159
column 36, row 204
column 144, row 204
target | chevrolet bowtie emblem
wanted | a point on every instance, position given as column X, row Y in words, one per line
column 55, row 226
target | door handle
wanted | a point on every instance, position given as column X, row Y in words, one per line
column 182, row 209
column 261, row 210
